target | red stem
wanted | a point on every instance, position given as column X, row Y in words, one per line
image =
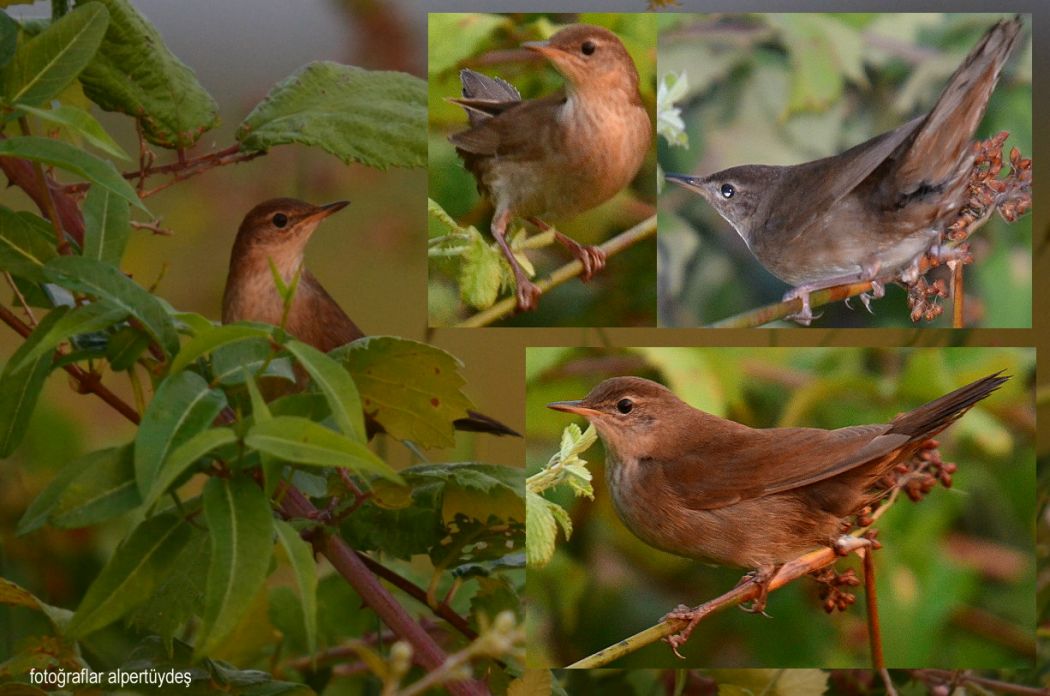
column 345, row 560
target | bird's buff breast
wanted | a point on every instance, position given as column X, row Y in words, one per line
column 593, row 152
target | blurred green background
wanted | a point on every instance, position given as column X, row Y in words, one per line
column 624, row 293
column 956, row 576
column 789, row 88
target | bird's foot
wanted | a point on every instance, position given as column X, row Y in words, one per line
column 528, row 295
column 760, row 578
column 592, row 257
column 805, row 316
column 847, row 543
column 692, row 617
column 878, row 291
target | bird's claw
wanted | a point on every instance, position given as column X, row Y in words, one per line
column 689, row 615
column 593, row 260
column 528, row 295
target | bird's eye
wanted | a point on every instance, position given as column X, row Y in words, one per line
column 587, row 48
column 624, row 405
column 727, row 191
column 280, row 220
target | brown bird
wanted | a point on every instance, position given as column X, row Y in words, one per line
column 872, row 212
column 277, row 232
column 704, row 487
column 562, row 154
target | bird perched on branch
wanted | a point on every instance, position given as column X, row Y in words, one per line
column 874, row 211
column 696, row 485
column 560, row 155
column 277, row 232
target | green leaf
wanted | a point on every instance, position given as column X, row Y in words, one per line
column 540, row 530
column 471, row 31
column 183, row 406
column 302, row 441
column 476, row 490
column 232, row 363
column 241, row 526
column 125, row 347
column 376, row 118
column 81, row 123
column 45, row 64
column 337, row 386
column 410, row 388
column 18, row 395
column 184, row 456
column 38, row 512
column 72, row 159
column 212, row 337
column 27, row 242
column 301, row 557
column 103, row 489
column 133, row 572
column 8, row 38
column 107, row 283
column 79, row 320
column 107, row 222
column 480, row 274
column 135, row 73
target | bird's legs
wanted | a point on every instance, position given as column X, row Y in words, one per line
column 867, row 274
column 760, row 577
column 527, row 293
column 592, row 257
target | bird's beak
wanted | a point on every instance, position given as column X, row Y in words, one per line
column 573, row 407
column 690, row 183
column 544, row 48
column 324, row 211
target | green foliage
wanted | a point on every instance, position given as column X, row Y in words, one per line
column 27, row 242
column 64, row 156
column 372, row 117
column 134, row 73
column 410, row 388
column 228, row 417
column 565, row 467
column 45, row 64
column 241, row 527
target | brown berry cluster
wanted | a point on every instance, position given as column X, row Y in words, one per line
column 832, row 594
column 919, row 475
column 987, row 191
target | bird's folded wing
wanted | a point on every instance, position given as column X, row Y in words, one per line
column 770, row 461
column 850, row 168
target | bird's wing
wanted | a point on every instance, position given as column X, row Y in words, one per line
column 484, row 96
column 501, row 134
column 763, row 462
column 936, row 154
column 823, row 182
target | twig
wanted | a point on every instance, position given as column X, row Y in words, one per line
column 957, row 296
column 49, row 201
column 790, row 571
column 21, row 299
column 780, row 310
column 346, row 561
column 88, row 382
column 878, row 660
column 153, row 227
column 419, row 594
column 622, row 241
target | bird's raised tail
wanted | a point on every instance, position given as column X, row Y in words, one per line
column 480, row 423
column 930, row 419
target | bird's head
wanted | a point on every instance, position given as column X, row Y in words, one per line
column 281, row 227
column 589, row 57
column 629, row 413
